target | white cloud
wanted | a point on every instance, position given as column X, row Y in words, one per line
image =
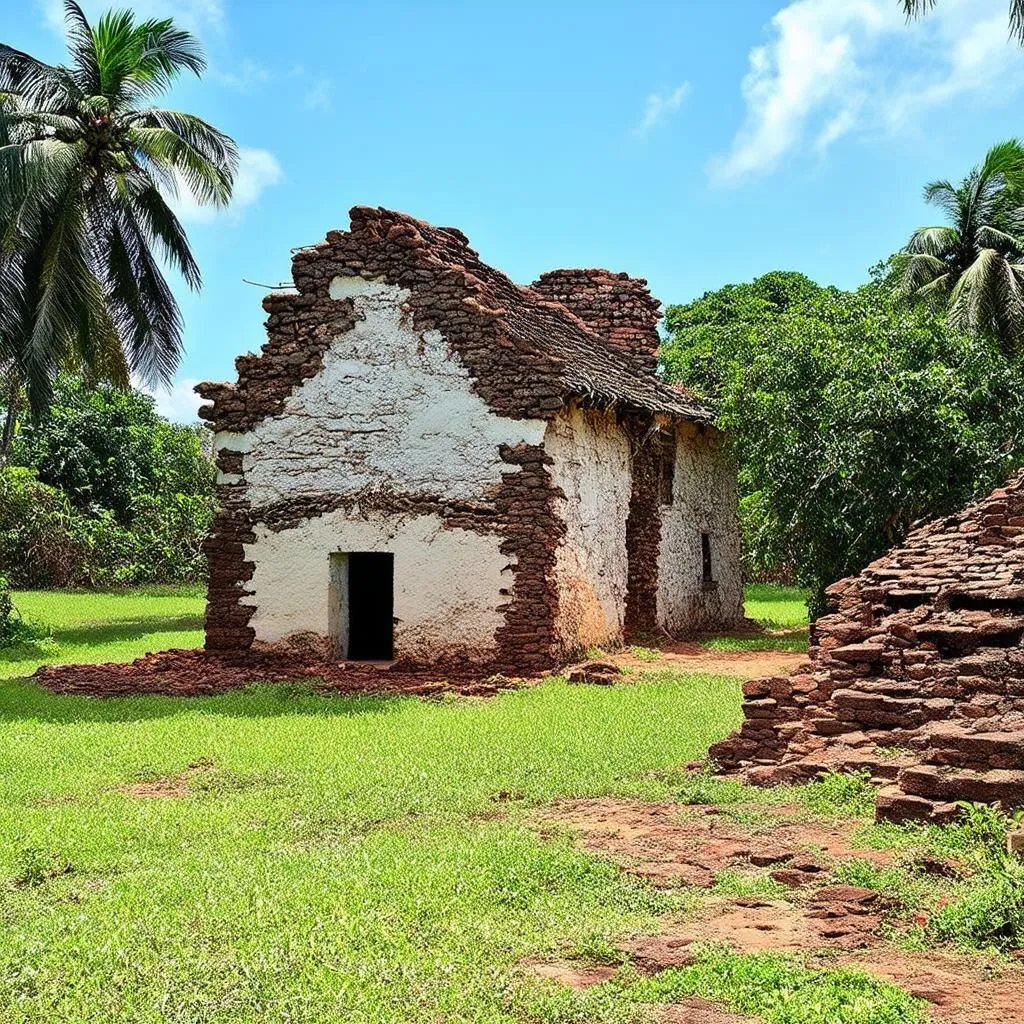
column 658, row 106
column 320, row 96
column 248, row 76
column 179, row 403
column 194, row 15
column 258, row 169
column 831, row 68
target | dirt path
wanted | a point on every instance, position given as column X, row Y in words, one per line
column 690, row 656
column 812, row 916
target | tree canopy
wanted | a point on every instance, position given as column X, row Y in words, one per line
column 852, row 415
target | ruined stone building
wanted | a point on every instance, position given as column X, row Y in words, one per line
column 916, row 673
column 431, row 464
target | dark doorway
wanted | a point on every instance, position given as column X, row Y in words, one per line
column 371, row 606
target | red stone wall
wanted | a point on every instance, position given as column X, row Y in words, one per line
column 617, row 307
column 916, row 673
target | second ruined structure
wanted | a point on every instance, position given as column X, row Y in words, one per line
column 916, row 673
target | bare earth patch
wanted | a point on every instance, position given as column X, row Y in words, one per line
column 689, row 656
column 159, row 789
column 688, row 845
column 678, row 845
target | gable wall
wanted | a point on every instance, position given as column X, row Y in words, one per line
column 387, row 448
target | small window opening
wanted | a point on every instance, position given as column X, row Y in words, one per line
column 705, row 558
column 667, row 453
column 363, row 605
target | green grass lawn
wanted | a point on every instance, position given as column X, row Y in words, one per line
column 781, row 610
column 90, row 626
column 339, row 859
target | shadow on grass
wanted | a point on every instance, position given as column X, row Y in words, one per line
column 22, row 700
column 99, row 633
column 793, row 641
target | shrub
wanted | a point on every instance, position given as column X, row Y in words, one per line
column 103, row 492
column 14, row 630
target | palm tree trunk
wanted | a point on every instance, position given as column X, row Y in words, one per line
column 11, row 419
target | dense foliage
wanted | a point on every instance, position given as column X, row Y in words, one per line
column 103, row 491
column 852, row 414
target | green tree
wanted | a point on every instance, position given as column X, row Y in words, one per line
column 918, row 8
column 852, row 415
column 86, row 162
column 972, row 265
column 105, row 446
column 101, row 490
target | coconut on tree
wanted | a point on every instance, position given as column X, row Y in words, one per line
column 973, row 265
column 88, row 163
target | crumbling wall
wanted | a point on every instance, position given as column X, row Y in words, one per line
column 916, row 673
column 443, row 296
column 617, row 307
column 376, row 453
column 591, row 467
column 704, row 501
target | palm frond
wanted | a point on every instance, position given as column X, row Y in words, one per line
column 35, row 83
column 988, row 299
column 934, row 241
column 83, row 50
column 142, row 305
column 921, row 270
column 200, row 135
column 992, row 238
column 163, row 229
column 943, row 195
column 209, row 182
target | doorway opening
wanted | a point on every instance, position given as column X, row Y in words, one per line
column 363, row 605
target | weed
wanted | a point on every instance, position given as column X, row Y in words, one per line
column 836, row 793
column 735, row 883
column 36, row 866
column 644, row 653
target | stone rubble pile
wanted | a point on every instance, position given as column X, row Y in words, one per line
column 916, row 673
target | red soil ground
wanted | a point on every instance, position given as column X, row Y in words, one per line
column 675, row 845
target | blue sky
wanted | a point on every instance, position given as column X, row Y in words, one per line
column 695, row 143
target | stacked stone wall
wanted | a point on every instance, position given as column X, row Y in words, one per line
column 916, row 673
column 617, row 307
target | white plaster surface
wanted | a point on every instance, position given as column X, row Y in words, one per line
column 704, row 502
column 394, row 409
column 448, row 582
column 392, row 405
column 592, row 466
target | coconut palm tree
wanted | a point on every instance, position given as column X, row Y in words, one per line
column 87, row 165
column 973, row 265
column 918, row 8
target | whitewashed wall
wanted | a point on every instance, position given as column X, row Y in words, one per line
column 705, row 501
column 592, row 465
column 447, row 582
column 392, row 409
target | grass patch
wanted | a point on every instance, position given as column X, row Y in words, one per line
column 782, row 611
column 840, row 794
column 776, row 607
column 775, row 988
column 333, row 859
column 980, row 906
column 98, row 626
column 791, row 642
